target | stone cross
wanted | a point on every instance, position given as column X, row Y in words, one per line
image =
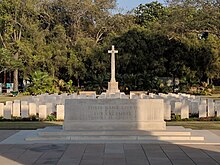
column 113, row 51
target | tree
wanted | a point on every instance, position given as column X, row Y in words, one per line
column 148, row 13
column 13, row 17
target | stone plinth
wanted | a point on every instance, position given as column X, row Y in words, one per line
column 112, row 88
column 114, row 114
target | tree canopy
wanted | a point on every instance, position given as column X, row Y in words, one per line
column 68, row 40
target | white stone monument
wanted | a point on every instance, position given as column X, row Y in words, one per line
column 114, row 114
column 109, row 112
column 113, row 85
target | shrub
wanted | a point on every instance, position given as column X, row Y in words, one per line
column 51, row 117
column 41, row 82
column 175, row 118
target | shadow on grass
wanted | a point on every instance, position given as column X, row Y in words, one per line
column 27, row 125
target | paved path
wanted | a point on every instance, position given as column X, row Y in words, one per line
column 107, row 154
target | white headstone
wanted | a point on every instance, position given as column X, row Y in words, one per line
column 211, row 108
column 7, row 111
column 202, row 109
column 60, row 112
column 185, row 110
column 102, row 96
column 49, row 108
column 9, row 103
column 1, row 109
column 167, row 111
column 217, row 108
column 42, row 111
column 194, row 107
column 32, row 109
column 16, row 112
column 177, row 108
column 24, row 110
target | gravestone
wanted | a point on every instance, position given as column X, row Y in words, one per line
column 177, row 108
column 217, row 108
column 185, row 110
column 16, row 112
column 7, row 111
column 194, row 107
column 49, row 108
column 211, row 108
column 1, row 109
column 202, row 109
column 42, row 111
column 9, row 103
column 24, row 110
column 32, row 109
column 167, row 111
column 60, row 112
column 102, row 96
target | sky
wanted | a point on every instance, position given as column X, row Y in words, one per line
column 130, row 4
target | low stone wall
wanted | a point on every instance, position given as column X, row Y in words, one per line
column 114, row 114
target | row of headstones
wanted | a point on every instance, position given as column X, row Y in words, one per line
column 180, row 104
column 183, row 104
column 57, row 99
column 204, row 108
column 24, row 109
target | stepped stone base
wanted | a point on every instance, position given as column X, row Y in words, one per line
column 171, row 135
column 112, row 88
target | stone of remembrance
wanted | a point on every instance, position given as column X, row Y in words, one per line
column 114, row 114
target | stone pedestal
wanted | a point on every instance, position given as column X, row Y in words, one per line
column 114, row 114
column 112, row 87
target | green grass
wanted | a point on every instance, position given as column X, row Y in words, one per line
column 4, row 98
column 32, row 125
column 26, row 125
column 199, row 125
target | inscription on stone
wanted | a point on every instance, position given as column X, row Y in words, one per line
column 110, row 113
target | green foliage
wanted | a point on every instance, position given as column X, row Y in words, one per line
column 41, row 82
column 68, row 41
column 6, row 60
column 149, row 13
column 51, row 117
column 175, row 117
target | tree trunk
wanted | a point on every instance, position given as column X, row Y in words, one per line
column 15, row 79
column 174, row 83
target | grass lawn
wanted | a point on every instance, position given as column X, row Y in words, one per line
column 196, row 124
column 4, row 98
column 31, row 125
column 26, row 125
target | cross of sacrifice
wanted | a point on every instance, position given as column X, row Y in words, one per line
column 112, row 52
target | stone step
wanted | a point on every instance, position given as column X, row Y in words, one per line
column 121, row 133
column 117, row 138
